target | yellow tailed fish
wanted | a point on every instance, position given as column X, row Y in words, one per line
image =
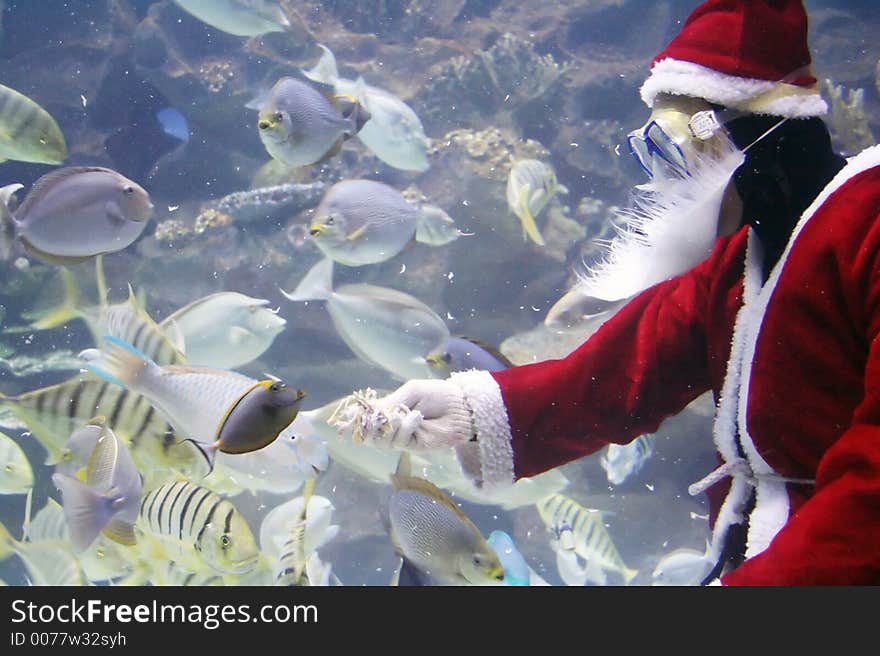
column 28, row 133
column 216, row 409
column 109, row 499
column 437, row 542
column 300, row 126
column 530, row 186
column 591, row 539
column 16, row 473
column 195, row 524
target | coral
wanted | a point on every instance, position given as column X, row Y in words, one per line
column 490, row 152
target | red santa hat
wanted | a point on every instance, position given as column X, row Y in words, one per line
column 750, row 55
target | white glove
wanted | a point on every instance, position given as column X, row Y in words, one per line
column 433, row 414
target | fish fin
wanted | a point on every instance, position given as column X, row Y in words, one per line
column 435, row 227
column 491, row 350
column 404, row 465
column 423, row 486
column 120, row 362
column 334, row 150
column 87, row 512
column 316, row 285
column 7, row 222
column 526, row 218
column 65, row 312
column 114, row 212
column 356, row 234
column 208, row 451
column 175, row 335
column 410, row 575
column 120, row 531
column 629, row 574
column 325, row 71
column 60, row 260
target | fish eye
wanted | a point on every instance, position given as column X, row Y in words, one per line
column 278, row 117
column 43, row 141
column 277, row 386
column 446, row 357
column 128, row 190
column 225, row 541
column 8, row 468
column 478, row 560
column 329, row 220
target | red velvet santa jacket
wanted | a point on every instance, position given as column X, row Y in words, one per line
column 795, row 368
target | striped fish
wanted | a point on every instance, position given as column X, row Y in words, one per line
column 189, row 520
column 592, row 541
column 53, row 413
column 28, row 133
column 131, row 323
column 16, row 474
column 620, row 461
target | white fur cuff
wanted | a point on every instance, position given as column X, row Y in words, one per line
column 492, row 428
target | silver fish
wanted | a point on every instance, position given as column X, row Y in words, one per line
column 382, row 326
column 109, row 499
column 225, row 329
column 299, row 125
column 530, row 186
column 362, row 222
column 73, row 214
column 683, row 566
column 238, row 17
column 28, row 133
column 438, row 543
column 394, row 132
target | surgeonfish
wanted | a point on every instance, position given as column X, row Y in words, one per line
column 108, row 500
column 28, row 133
column 362, row 222
column 47, row 562
column 238, row 17
column 683, row 567
column 531, row 184
column 216, row 409
column 73, row 214
column 394, row 132
column 578, row 310
column 592, row 541
column 198, row 526
column 16, row 473
column 620, row 461
column 465, row 353
column 437, row 542
column 300, row 126
column 382, row 326
column 225, row 329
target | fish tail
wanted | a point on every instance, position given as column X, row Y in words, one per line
column 87, row 512
column 67, row 310
column 120, row 363
column 120, row 531
column 208, row 451
column 317, row 284
column 325, row 71
column 628, row 575
column 528, row 221
column 7, row 223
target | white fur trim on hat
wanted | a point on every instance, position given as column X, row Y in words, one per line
column 492, row 428
column 683, row 78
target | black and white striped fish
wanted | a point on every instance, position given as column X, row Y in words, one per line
column 190, row 520
column 592, row 542
column 52, row 413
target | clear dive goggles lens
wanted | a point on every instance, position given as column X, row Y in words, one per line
column 651, row 144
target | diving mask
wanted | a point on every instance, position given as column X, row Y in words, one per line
column 676, row 127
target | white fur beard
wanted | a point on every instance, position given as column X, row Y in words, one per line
column 670, row 227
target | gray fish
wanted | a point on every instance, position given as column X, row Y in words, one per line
column 465, row 353
column 109, row 500
column 75, row 213
column 438, row 543
column 299, row 125
column 362, row 222
column 28, row 133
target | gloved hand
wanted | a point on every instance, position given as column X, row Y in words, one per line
column 439, row 416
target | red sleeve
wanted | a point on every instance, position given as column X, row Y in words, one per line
column 653, row 357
